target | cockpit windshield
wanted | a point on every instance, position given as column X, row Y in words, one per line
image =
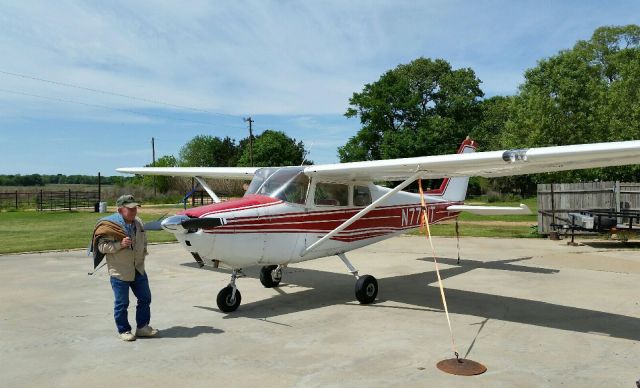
column 286, row 183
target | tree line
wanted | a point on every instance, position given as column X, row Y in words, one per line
column 59, row 179
column 270, row 148
column 589, row 93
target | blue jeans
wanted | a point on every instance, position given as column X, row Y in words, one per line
column 140, row 288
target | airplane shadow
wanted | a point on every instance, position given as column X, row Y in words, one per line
column 188, row 332
column 327, row 288
column 612, row 244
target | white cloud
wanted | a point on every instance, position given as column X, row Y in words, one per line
column 264, row 57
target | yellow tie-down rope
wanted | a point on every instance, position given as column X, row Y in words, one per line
column 425, row 225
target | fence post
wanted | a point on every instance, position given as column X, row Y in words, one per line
column 553, row 206
column 16, row 199
column 69, row 199
column 40, row 201
column 616, row 188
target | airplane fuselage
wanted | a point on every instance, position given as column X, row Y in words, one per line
column 262, row 230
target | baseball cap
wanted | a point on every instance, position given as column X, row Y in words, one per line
column 127, row 200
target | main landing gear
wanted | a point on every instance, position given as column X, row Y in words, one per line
column 366, row 285
column 229, row 298
column 271, row 275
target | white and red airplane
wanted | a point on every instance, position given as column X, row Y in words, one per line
column 294, row 214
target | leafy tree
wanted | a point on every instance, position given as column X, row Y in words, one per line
column 590, row 93
column 272, row 148
column 209, row 151
column 494, row 114
column 163, row 183
column 421, row 108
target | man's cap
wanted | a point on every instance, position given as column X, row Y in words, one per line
column 127, row 200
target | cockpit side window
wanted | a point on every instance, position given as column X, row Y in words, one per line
column 361, row 196
column 332, row 194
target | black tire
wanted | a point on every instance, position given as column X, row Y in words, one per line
column 266, row 277
column 224, row 300
column 366, row 289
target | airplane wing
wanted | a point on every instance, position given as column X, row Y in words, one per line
column 486, row 164
column 203, row 172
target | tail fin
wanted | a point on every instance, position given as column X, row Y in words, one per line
column 455, row 189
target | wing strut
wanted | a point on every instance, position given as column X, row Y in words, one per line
column 362, row 212
column 208, row 189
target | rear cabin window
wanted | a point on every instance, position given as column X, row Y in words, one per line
column 332, row 194
column 361, row 196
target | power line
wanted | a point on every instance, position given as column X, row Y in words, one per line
column 148, row 100
column 106, row 107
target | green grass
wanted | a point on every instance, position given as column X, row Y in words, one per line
column 26, row 231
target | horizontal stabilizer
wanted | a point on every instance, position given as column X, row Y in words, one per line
column 491, row 210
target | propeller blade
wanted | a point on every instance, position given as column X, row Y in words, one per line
column 153, row 225
column 203, row 223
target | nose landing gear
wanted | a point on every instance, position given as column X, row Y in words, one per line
column 229, row 298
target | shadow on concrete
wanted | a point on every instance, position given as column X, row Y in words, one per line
column 421, row 290
column 612, row 244
column 188, row 332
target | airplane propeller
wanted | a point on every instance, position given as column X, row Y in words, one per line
column 201, row 223
column 188, row 223
column 157, row 224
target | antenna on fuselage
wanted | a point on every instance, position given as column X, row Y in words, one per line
column 306, row 152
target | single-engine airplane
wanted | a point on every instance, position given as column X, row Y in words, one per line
column 293, row 214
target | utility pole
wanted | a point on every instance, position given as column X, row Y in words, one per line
column 250, row 121
column 153, row 152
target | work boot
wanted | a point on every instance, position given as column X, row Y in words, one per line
column 127, row 336
column 146, row 331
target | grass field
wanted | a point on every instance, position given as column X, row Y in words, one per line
column 28, row 231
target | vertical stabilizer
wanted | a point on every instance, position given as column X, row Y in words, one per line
column 455, row 189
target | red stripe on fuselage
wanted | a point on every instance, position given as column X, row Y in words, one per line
column 378, row 222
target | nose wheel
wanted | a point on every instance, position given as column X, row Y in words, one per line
column 229, row 298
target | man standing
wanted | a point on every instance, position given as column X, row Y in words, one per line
column 121, row 238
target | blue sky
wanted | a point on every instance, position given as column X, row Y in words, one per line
column 292, row 66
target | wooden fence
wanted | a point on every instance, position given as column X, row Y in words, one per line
column 557, row 200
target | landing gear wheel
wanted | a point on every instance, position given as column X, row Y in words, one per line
column 366, row 289
column 225, row 302
column 268, row 278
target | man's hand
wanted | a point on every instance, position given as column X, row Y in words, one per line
column 126, row 242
